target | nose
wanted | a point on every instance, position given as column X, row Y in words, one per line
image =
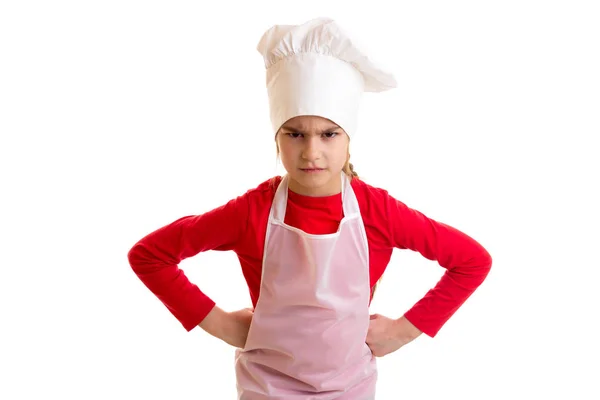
column 312, row 148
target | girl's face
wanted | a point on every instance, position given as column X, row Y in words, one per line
column 313, row 151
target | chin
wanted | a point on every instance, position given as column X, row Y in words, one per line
column 315, row 184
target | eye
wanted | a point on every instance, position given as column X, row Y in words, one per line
column 330, row 135
column 293, row 134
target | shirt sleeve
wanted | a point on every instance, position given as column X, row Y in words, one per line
column 155, row 258
column 467, row 263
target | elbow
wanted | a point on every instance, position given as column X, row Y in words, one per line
column 485, row 263
column 486, row 259
column 481, row 258
column 134, row 258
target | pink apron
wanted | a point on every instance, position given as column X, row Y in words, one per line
column 307, row 336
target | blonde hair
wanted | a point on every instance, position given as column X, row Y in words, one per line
column 349, row 169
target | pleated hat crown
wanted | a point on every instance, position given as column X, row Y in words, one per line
column 316, row 69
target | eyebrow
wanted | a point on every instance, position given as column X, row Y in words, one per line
column 302, row 130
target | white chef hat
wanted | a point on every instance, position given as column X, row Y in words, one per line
column 315, row 69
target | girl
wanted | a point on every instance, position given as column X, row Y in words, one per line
column 313, row 242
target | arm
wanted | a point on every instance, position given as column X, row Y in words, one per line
column 467, row 264
column 155, row 258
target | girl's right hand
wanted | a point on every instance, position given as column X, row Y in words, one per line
column 230, row 327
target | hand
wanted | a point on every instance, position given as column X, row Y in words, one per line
column 230, row 327
column 387, row 335
column 239, row 325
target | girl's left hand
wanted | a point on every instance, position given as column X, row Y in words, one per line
column 387, row 335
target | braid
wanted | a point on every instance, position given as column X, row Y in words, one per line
column 352, row 171
column 349, row 170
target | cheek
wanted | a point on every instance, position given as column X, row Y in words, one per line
column 286, row 153
column 340, row 156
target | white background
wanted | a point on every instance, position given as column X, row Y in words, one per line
column 118, row 117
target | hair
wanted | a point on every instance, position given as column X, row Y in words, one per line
column 349, row 170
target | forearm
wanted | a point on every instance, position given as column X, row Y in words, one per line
column 440, row 303
column 405, row 331
column 214, row 323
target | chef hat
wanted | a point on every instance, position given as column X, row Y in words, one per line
column 315, row 69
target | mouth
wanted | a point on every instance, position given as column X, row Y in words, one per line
column 312, row 170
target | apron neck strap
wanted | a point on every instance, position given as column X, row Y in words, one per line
column 349, row 202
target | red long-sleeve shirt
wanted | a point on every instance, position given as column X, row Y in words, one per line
column 240, row 226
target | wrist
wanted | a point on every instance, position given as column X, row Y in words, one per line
column 405, row 331
column 214, row 322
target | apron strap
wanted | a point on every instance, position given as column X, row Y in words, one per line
column 349, row 201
